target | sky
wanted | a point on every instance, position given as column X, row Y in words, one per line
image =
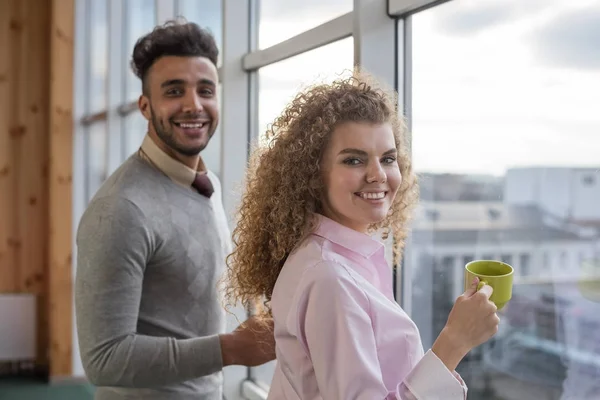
column 497, row 84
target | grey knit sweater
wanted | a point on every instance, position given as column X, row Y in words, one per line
column 149, row 255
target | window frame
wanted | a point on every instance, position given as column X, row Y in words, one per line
column 381, row 32
column 382, row 38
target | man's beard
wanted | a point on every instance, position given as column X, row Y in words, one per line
column 166, row 134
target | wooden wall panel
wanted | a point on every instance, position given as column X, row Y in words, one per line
column 61, row 173
column 36, row 144
column 32, row 145
column 8, row 218
column 31, row 151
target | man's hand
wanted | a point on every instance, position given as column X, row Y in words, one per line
column 250, row 344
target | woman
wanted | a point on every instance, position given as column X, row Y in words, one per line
column 336, row 171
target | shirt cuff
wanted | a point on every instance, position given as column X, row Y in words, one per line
column 430, row 379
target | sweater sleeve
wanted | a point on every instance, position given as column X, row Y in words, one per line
column 114, row 243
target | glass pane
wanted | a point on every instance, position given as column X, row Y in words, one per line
column 141, row 18
column 97, row 157
column 506, row 135
column 208, row 14
column 281, row 20
column 136, row 127
column 278, row 83
column 211, row 155
column 98, row 52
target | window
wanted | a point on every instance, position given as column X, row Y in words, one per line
column 467, row 259
column 524, row 264
column 278, row 83
column 140, row 16
column 563, row 266
column 135, row 129
column 97, row 156
column 98, row 56
column 207, row 14
column 490, row 123
column 489, row 79
column 546, row 261
column 280, row 20
column 447, row 262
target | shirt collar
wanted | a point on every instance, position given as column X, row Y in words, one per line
column 174, row 169
column 348, row 238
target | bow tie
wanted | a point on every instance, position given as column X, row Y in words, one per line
column 203, row 185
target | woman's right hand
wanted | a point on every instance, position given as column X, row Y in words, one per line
column 472, row 321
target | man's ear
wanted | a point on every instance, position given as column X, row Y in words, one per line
column 144, row 106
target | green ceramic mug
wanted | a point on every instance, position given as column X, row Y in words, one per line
column 497, row 274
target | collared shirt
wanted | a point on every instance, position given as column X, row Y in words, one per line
column 184, row 176
column 174, row 169
column 339, row 332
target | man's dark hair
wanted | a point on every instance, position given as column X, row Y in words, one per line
column 174, row 38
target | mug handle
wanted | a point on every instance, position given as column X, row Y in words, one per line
column 481, row 284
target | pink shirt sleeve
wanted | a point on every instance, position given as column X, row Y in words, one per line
column 334, row 326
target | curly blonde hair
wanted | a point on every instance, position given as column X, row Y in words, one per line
column 284, row 183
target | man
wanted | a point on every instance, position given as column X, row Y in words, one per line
column 153, row 240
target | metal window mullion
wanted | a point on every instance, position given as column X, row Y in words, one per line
column 234, row 125
column 235, row 128
column 331, row 31
column 404, row 87
column 123, row 103
column 405, row 52
column 374, row 40
column 115, row 83
column 81, row 89
column 405, row 90
column 253, row 110
column 80, row 166
column 403, row 8
column 253, row 81
column 235, row 111
column 87, row 94
column 375, row 51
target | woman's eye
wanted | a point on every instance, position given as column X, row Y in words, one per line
column 351, row 161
